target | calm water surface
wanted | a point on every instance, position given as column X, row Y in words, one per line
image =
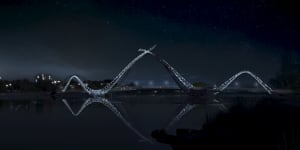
column 50, row 124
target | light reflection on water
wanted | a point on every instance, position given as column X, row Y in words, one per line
column 100, row 122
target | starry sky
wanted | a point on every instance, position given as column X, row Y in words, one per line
column 204, row 40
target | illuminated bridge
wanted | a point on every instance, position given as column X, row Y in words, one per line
column 177, row 77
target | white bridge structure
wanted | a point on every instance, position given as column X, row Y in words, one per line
column 234, row 77
column 109, row 86
column 177, row 77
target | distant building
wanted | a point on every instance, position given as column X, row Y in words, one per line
column 43, row 77
column 46, row 78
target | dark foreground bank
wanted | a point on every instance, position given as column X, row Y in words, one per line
column 269, row 125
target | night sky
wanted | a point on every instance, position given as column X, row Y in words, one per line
column 204, row 40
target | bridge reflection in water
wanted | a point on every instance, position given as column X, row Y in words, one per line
column 111, row 107
column 184, row 109
column 189, row 107
column 141, row 115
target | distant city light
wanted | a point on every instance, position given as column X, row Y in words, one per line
column 150, row 83
column 255, row 84
column 236, row 83
column 215, row 86
column 44, row 77
column 136, row 82
column 56, row 82
column 166, row 82
column 8, row 85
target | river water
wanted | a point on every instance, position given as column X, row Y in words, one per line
column 102, row 123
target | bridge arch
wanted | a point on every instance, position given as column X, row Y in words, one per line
column 181, row 81
column 224, row 85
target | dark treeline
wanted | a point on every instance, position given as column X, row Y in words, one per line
column 25, row 85
column 289, row 75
